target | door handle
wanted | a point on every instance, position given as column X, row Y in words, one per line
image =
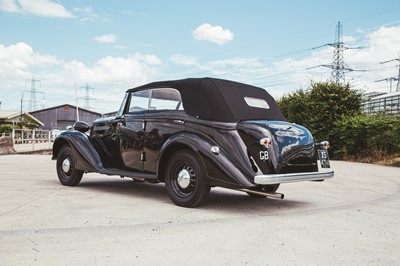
column 177, row 121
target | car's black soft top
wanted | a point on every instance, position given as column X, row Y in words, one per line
column 221, row 100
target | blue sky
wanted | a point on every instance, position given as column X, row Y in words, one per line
column 115, row 45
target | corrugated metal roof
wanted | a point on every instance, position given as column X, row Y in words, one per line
column 4, row 114
column 8, row 115
column 64, row 105
column 386, row 95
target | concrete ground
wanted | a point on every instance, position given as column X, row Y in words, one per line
column 353, row 219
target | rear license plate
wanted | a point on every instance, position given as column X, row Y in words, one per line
column 324, row 159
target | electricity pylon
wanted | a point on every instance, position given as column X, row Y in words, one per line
column 33, row 101
column 87, row 98
column 338, row 66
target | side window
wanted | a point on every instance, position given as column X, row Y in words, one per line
column 139, row 101
column 166, row 99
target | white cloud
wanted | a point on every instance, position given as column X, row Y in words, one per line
column 87, row 9
column 17, row 59
column 378, row 46
column 133, row 68
column 134, row 13
column 182, row 59
column 215, row 34
column 289, row 74
column 108, row 76
column 108, row 38
column 111, row 76
column 349, row 39
column 88, row 15
column 9, row 6
column 119, row 46
column 44, row 8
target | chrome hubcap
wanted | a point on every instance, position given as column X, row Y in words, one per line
column 183, row 178
column 66, row 165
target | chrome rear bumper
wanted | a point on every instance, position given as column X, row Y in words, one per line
column 292, row 177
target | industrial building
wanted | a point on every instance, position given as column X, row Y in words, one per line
column 62, row 116
column 388, row 103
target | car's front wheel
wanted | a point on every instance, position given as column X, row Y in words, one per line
column 184, row 179
column 66, row 171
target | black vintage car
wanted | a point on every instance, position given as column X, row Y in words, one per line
column 194, row 134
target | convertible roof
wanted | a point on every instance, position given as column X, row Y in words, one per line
column 220, row 100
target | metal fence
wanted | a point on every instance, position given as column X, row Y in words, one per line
column 26, row 136
column 25, row 140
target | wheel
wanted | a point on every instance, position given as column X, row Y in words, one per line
column 66, row 171
column 266, row 188
column 184, row 179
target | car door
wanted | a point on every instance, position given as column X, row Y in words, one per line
column 131, row 130
column 164, row 118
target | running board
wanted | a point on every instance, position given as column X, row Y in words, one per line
column 120, row 172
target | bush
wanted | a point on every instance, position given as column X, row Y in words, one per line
column 332, row 112
column 365, row 135
column 6, row 128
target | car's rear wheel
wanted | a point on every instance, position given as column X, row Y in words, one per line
column 184, row 179
column 66, row 171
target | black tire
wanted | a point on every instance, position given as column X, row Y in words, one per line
column 184, row 179
column 66, row 171
column 266, row 188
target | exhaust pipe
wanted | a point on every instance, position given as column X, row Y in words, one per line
column 265, row 194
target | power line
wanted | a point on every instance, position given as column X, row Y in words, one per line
column 373, row 15
column 391, row 79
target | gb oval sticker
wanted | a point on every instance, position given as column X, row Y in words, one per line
column 264, row 155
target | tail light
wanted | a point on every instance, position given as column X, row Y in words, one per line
column 324, row 145
column 266, row 142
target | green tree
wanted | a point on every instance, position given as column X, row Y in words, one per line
column 6, row 128
column 294, row 108
column 328, row 103
column 320, row 107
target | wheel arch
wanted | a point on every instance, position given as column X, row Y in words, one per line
column 87, row 157
column 57, row 145
column 220, row 169
column 168, row 151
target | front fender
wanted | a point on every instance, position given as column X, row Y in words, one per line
column 221, row 169
column 87, row 158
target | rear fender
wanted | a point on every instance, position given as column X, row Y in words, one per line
column 87, row 158
column 221, row 170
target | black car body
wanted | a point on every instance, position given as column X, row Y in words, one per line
column 194, row 134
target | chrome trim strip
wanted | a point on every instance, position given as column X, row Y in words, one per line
column 292, row 177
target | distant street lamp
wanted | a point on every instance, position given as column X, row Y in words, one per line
column 20, row 118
